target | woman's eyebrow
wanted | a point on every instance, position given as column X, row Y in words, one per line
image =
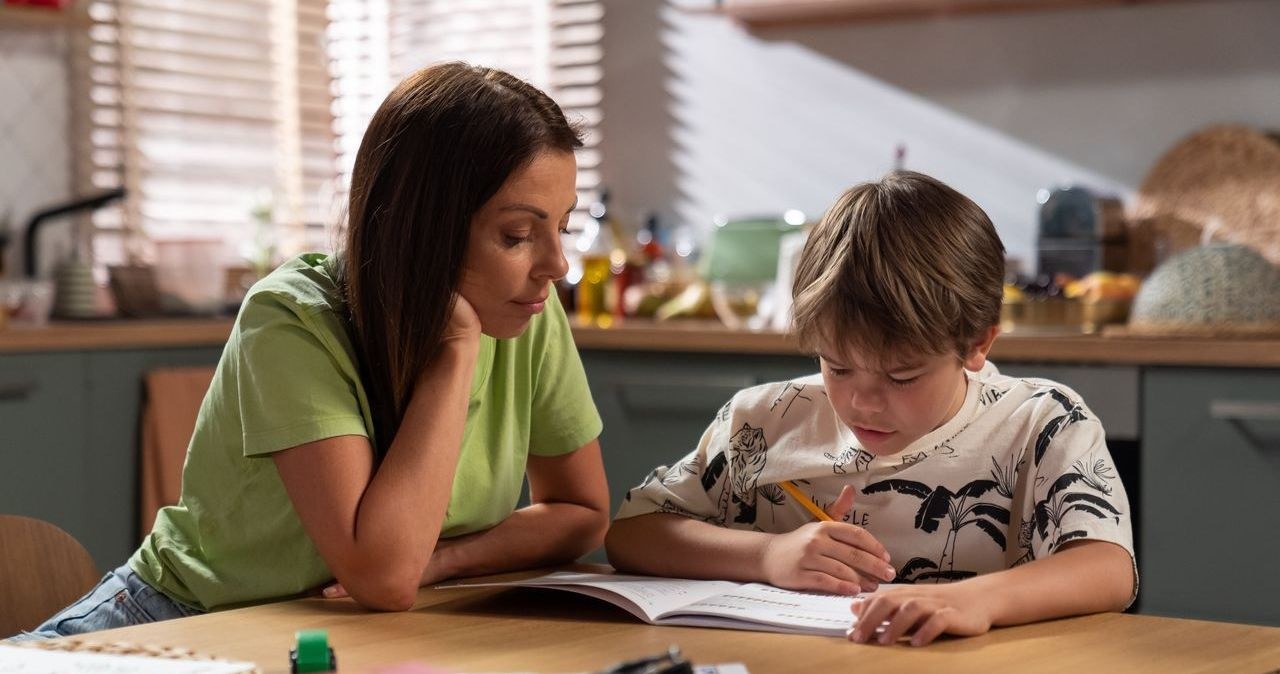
column 526, row 207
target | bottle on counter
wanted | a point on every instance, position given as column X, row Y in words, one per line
column 594, row 305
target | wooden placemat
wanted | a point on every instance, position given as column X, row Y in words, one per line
column 121, row 648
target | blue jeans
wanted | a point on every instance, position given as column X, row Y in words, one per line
column 120, row 599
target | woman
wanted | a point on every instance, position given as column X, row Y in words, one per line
column 375, row 413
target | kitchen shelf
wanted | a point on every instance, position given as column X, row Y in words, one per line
column 769, row 13
column 21, row 16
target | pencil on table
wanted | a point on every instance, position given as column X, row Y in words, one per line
column 804, row 501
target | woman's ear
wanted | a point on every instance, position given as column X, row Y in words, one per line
column 977, row 356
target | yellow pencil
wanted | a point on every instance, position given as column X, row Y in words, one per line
column 804, row 501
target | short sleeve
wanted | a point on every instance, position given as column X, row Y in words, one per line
column 563, row 415
column 292, row 385
column 696, row 486
column 1077, row 492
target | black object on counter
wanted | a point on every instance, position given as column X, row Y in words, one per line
column 84, row 204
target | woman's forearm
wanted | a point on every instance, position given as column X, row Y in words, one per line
column 542, row 534
column 402, row 510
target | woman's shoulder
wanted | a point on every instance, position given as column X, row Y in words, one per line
column 305, row 282
column 299, row 294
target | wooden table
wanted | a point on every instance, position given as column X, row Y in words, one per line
column 530, row 630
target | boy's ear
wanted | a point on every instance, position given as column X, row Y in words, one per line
column 977, row 356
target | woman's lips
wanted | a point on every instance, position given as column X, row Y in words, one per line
column 531, row 306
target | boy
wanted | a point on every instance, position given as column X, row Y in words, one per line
column 994, row 499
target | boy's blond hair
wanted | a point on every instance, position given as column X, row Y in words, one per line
column 902, row 267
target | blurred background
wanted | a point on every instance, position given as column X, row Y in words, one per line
column 158, row 156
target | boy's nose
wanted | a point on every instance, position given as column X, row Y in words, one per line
column 867, row 400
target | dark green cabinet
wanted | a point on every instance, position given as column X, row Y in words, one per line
column 1211, row 494
column 656, row 406
column 69, row 429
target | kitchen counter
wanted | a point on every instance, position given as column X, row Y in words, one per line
column 697, row 336
column 692, row 336
column 118, row 334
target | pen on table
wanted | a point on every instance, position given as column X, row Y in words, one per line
column 804, row 501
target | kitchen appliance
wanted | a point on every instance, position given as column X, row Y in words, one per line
column 1080, row 232
column 76, row 294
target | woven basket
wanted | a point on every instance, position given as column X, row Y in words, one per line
column 1221, row 183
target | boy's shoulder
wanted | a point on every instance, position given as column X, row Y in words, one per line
column 1005, row 395
column 782, row 406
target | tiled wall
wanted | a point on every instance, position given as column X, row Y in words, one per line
column 35, row 145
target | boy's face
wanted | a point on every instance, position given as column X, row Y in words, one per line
column 913, row 395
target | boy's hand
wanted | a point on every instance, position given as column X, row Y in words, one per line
column 834, row 557
column 925, row 612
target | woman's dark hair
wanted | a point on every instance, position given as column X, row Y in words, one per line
column 440, row 146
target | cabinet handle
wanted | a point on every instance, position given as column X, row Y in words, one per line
column 1244, row 410
column 1240, row 413
column 18, row 390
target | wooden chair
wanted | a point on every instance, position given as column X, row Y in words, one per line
column 42, row 570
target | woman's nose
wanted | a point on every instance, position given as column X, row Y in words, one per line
column 552, row 266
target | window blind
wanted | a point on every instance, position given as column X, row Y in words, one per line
column 554, row 44
column 205, row 111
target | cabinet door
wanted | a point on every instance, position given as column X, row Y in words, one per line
column 655, row 406
column 1211, row 494
column 113, row 416
column 43, row 467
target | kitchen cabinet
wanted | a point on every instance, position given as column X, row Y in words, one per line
column 655, row 406
column 69, row 425
column 1211, row 494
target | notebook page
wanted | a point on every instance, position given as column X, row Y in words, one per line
column 764, row 607
column 646, row 597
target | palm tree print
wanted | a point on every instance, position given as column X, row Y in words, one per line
column 937, row 502
column 1073, row 414
column 1058, row 502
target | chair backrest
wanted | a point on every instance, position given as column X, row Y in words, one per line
column 174, row 395
column 42, row 570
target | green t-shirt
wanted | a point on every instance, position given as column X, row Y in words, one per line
column 288, row 376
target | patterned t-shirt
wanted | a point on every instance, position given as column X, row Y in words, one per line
column 1020, row 470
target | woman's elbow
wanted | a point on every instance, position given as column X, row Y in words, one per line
column 384, row 588
column 385, row 596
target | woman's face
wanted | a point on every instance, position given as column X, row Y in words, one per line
column 514, row 249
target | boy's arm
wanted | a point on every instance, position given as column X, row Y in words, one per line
column 833, row 557
column 1087, row 576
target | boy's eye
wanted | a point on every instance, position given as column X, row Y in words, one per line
column 903, row 382
column 837, row 371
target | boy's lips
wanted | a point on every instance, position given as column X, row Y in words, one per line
column 871, row 434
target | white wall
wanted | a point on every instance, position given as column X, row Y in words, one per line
column 35, row 149
column 704, row 117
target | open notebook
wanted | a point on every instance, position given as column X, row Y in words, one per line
column 703, row 603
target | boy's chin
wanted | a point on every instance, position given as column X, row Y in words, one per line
column 883, row 444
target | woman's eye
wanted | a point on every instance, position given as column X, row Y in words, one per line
column 513, row 240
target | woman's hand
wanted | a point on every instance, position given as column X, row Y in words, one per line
column 834, row 557
column 464, row 322
column 923, row 611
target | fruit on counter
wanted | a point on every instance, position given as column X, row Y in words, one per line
column 693, row 302
column 1103, row 285
column 1012, row 293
